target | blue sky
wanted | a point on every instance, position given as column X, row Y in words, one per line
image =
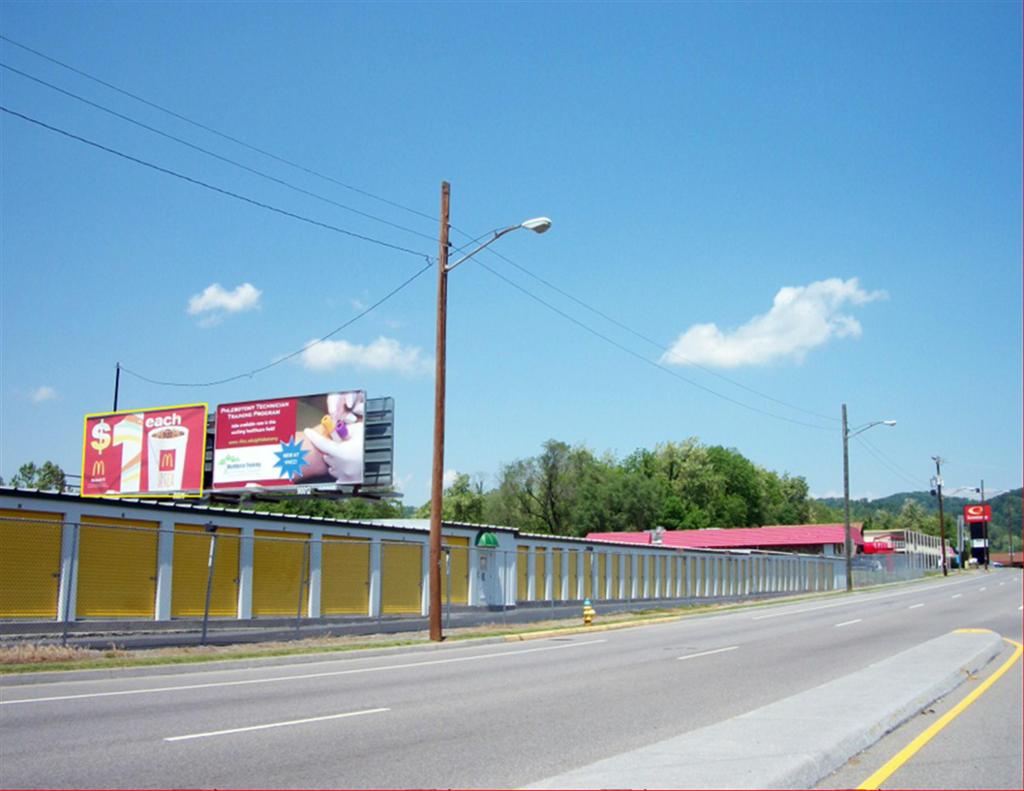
column 820, row 202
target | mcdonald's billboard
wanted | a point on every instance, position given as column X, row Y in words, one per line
column 156, row 452
column 977, row 513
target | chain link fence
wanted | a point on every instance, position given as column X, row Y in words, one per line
column 198, row 577
column 894, row 567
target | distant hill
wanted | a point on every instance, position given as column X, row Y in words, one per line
column 1007, row 517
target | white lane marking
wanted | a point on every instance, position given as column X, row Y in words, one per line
column 914, row 606
column 1002, row 583
column 708, row 653
column 865, row 599
column 957, row 595
column 301, row 676
column 982, row 589
column 847, row 623
column 272, row 725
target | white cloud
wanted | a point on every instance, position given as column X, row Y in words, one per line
column 801, row 318
column 43, row 393
column 383, row 354
column 449, row 478
column 215, row 301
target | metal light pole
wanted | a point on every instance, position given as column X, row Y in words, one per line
column 846, row 489
column 537, row 225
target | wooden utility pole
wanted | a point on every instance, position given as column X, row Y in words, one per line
column 942, row 519
column 846, row 504
column 437, row 477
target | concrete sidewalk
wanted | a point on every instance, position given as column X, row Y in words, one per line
column 795, row 742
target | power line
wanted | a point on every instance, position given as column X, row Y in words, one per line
column 213, row 154
column 231, row 161
column 366, row 193
column 261, row 369
column 661, row 347
column 360, row 191
column 213, row 188
column 640, row 357
column 879, row 458
column 907, row 475
column 212, row 130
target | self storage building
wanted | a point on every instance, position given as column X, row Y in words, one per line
column 66, row 558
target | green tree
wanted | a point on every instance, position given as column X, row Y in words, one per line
column 347, row 508
column 463, row 501
column 48, row 476
column 818, row 513
column 784, row 499
column 538, row 493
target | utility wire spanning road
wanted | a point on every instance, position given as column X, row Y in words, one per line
column 484, row 715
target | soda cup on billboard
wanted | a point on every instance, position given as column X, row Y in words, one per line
column 167, row 458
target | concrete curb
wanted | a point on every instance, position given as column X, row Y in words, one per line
column 57, row 676
column 602, row 627
column 224, row 665
column 795, row 742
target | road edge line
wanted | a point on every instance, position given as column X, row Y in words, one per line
column 893, row 764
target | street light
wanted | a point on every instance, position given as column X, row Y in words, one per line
column 846, row 488
column 537, row 225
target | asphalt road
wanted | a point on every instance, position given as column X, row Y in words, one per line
column 980, row 748
column 495, row 715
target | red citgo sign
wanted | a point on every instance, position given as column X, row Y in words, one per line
column 977, row 513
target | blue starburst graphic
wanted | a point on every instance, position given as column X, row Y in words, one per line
column 291, row 459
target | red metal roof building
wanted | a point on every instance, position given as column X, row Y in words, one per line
column 807, row 539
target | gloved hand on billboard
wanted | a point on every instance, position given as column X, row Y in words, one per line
column 339, row 437
column 344, row 459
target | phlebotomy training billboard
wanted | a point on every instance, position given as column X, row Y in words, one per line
column 154, row 452
column 296, row 441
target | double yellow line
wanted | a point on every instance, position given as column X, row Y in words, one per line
column 904, row 755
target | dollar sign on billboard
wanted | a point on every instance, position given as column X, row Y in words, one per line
column 101, row 436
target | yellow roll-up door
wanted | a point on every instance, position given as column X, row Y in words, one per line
column 662, row 576
column 602, row 576
column 280, row 571
column 29, row 563
column 588, row 575
column 459, row 559
column 627, row 578
column 522, row 573
column 556, row 574
column 191, row 571
column 540, row 577
column 648, row 577
column 401, row 578
column 616, row 561
column 574, row 575
column 116, row 568
column 345, row 576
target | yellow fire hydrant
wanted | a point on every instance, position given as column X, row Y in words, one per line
column 588, row 612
